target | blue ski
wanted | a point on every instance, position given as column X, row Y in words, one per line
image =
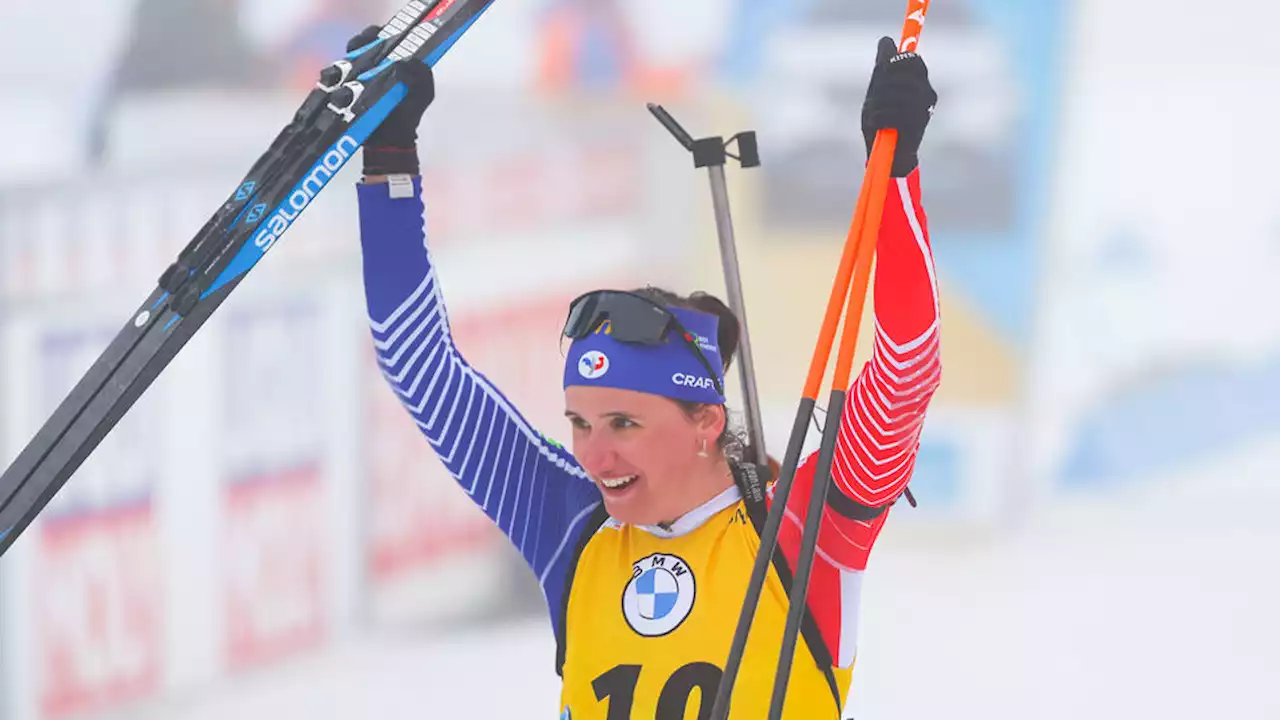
column 352, row 98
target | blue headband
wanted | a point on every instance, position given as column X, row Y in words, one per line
column 671, row 369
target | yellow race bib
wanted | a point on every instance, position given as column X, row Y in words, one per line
column 650, row 621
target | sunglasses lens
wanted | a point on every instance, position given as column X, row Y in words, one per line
column 635, row 321
column 582, row 317
column 625, row 317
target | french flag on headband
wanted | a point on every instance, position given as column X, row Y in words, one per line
column 671, row 369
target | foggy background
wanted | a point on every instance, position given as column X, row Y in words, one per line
column 266, row 534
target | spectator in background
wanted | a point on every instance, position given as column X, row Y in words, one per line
column 595, row 46
column 586, row 44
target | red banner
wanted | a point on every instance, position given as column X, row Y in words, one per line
column 275, row 566
column 418, row 513
column 99, row 608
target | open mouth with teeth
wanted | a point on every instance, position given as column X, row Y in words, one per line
column 618, row 483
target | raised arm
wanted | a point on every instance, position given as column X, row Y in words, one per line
column 885, row 408
column 531, row 488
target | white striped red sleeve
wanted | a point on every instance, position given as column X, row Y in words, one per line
column 885, row 407
column 883, row 417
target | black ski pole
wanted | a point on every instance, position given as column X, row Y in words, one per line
column 710, row 152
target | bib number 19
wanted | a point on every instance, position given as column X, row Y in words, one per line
column 618, row 687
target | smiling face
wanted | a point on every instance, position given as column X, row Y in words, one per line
column 641, row 450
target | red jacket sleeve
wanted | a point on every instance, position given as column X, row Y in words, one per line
column 883, row 416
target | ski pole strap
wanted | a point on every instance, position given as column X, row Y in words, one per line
column 743, row 475
column 852, row 509
column 751, row 480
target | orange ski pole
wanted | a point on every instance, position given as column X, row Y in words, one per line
column 854, row 270
column 876, row 186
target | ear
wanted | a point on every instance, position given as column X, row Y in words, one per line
column 711, row 420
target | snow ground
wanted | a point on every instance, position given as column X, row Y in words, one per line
column 1162, row 603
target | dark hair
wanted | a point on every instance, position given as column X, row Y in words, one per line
column 729, row 330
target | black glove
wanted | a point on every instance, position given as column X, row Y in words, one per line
column 392, row 148
column 900, row 97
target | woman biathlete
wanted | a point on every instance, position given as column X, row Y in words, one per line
column 639, row 533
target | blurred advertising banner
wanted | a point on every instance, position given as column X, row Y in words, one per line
column 802, row 69
column 199, row 537
column 99, row 592
column 276, row 563
column 101, row 611
column 89, row 593
column 273, row 516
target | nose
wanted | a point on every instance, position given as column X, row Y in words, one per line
column 596, row 454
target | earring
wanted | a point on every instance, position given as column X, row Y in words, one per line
column 703, row 451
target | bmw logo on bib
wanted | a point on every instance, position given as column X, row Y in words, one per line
column 659, row 596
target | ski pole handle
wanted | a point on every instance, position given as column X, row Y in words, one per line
column 673, row 127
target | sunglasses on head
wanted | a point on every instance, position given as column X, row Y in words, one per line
column 632, row 319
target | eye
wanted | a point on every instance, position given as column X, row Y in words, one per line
column 622, row 423
column 578, row 423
